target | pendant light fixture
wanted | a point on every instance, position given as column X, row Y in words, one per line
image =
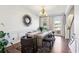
column 43, row 11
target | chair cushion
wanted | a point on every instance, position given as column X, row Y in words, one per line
column 49, row 35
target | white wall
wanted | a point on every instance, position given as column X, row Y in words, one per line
column 76, row 27
column 75, row 45
column 67, row 25
column 70, row 36
column 12, row 16
column 69, row 17
column 76, row 20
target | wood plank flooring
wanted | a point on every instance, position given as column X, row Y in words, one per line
column 60, row 45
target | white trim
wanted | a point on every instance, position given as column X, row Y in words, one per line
column 68, row 8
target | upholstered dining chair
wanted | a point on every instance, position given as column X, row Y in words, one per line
column 48, row 39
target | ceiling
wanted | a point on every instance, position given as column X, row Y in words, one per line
column 50, row 9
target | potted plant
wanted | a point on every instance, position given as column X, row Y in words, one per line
column 3, row 42
column 40, row 28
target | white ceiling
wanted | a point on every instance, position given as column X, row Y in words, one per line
column 50, row 9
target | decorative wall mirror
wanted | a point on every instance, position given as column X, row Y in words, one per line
column 27, row 20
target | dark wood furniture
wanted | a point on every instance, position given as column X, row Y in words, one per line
column 28, row 45
column 32, row 42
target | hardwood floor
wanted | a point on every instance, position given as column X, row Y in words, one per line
column 60, row 45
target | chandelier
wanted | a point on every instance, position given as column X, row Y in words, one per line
column 43, row 11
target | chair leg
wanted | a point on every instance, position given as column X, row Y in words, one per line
column 42, row 44
column 50, row 45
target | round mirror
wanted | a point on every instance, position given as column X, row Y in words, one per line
column 27, row 20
